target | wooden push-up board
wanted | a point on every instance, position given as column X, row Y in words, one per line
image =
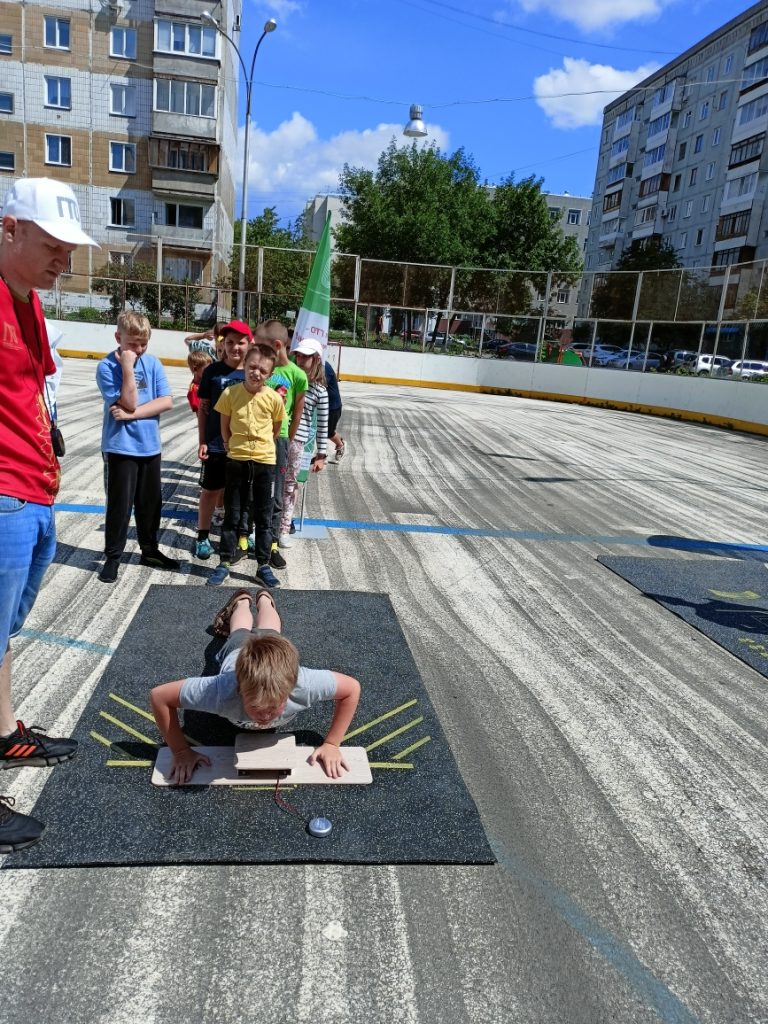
column 223, row 772
column 258, row 751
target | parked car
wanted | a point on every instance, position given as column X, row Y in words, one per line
column 746, row 369
column 601, row 355
column 712, row 366
column 682, row 357
column 636, row 359
column 522, row 350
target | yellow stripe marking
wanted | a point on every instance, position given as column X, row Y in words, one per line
column 381, row 718
column 127, row 704
column 128, row 729
column 413, row 746
column 129, row 764
column 391, row 735
column 101, row 739
column 388, row 764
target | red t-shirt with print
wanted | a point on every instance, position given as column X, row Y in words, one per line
column 29, row 470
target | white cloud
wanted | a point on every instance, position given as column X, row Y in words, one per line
column 598, row 83
column 282, row 8
column 597, row 14
column 292, row 163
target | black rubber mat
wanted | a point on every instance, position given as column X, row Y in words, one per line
column 726, row 599
column 101, row 809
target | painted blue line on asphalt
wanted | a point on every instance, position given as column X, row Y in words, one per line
column 65, row 641
column 681, row 543
column 654, row 992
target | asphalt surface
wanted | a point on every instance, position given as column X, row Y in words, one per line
column 617, row 756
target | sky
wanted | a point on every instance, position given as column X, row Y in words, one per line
column 334, row 82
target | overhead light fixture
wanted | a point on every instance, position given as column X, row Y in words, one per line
column 415, row 128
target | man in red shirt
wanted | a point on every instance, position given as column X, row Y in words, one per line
column 40, row 229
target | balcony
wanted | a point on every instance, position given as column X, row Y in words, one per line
column 183, row 238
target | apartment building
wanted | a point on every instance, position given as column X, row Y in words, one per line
column 573, row 213
column 132, row 103
column 683, row 156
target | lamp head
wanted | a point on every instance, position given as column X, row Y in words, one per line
column 415, row 128
column 207, row 16
column 270, row 26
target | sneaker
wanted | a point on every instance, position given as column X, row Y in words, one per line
column 242, row 543
column 340, row 451
column 285, row 540
column 157, row 560
column 265, row 575
column 293, row 527
column 17, row 831
column 218, row 576
column 276, row 560
column 32, row 747
column 108, row 572
column 218, row 517
column 203, row 549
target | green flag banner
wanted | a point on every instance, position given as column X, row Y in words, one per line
column 313, row 319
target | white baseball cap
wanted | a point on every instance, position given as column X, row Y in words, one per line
column 309, row 347
column 51, row 205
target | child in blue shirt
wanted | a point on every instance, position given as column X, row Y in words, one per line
column 135, row 392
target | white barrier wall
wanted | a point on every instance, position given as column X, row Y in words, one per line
column 740, row 404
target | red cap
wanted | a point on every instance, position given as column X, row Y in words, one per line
column 240, row 327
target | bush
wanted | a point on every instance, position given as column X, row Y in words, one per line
column 88, row 315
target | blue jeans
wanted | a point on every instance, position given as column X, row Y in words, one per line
column 27, row 547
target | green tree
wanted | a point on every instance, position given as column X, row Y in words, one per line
column 613, row 296
column 284, row 273
column 136, row 287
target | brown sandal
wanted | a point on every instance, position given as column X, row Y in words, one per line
column 222, row 617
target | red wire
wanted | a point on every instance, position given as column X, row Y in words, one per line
column 284, row 803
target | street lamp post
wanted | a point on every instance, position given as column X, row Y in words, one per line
column 269, row 26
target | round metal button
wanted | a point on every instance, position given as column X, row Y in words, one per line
column 319, row 827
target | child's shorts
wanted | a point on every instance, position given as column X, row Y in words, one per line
column 214, row 472
column 236, row 640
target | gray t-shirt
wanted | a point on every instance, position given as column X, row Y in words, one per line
column 218, row 694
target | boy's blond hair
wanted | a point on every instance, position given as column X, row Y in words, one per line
column 271, row 331
column 262, row 350
column 134, row 324
column 267, row 669
column 197, row 360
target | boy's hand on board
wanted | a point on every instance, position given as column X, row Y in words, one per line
column 184, row 763
column 332, row 760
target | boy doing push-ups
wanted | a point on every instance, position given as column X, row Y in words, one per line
column 260, row 686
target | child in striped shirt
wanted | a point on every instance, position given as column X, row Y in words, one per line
column 314, row 422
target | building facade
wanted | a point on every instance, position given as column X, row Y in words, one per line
column 574, row 215
column 683, row 158
column 134, row 104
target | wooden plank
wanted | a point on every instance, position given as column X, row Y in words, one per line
column 258, row 751
column 222, row 771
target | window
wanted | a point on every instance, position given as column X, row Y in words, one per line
column 6, row 43
column 747, row 150
column 554, row 213
column 184, row 37
column 178, row 215
column 612, row 201
column 58, row 150
column 671, row 213
column 122, row 213
column 58, row 92
column 758, row 38
column 121, row 259
column 662, row 95
column 646, row 215
column 705, row 203
column 649, row 186
column 726, row 257
column 751, row 111
column 122, row 157
column 122, row 43
column 682, row 149
column 7, row 161
column 688, row 208
column 182, row 97
column 732, row 225
column 716, row 137
column 710, row 171
column 563, row 297
column 659, row 124
column 186, row 156
column 574, row 217
column 6, row 102
column 693, row 176
column 624, row 119
column 699, row 236
column 728, row 66
column 122, row 100
column 653, row 156
column 683, row 240
column 620, row 146
column 743, row 186
column 704, row 111
column 676, row 182
column 183, row 269
column 56, row 32
column 723, row 101
column 698, row 144
column 616, row 174
column 687, row 117
column 711, row 73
